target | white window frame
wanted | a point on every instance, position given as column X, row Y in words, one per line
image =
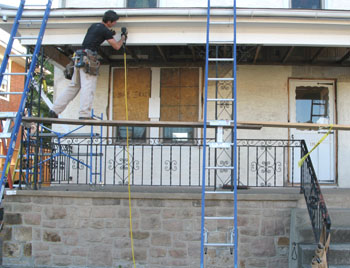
column 8, row 78
column 323, row 6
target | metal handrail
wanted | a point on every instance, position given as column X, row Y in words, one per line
column 315, row 202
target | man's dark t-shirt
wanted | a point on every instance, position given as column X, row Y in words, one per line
column 96, row 35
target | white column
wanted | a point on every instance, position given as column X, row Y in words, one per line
column 154, row 101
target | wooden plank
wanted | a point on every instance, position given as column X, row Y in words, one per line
column 110, row 123
column 295, row 125
column 345, row 57
column 258, row 48
column 288, row 54
column 318, row 53
column 240, row 124
column 161, row 52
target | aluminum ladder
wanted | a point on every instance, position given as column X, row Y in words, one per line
column 222, row 110
column 29, row 76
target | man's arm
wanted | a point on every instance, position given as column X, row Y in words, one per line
column 116, row 44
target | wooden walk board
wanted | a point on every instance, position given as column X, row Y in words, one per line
column 113, row 123
column 240, row 124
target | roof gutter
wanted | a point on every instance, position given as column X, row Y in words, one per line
column 241, row 12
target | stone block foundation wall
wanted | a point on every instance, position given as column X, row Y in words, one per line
column 91, row 229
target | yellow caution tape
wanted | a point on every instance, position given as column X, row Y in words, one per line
column 301, row 161
column 127, row 149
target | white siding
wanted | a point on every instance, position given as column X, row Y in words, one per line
column 337, row 4
column 94, row 3
column 226, row 3
column 329, row 4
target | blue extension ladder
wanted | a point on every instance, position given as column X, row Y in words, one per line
column 29, row 76
column 223, row 110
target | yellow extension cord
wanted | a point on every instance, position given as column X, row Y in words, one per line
column 127, row 149
column 301, row 161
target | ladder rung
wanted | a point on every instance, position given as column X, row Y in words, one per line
column 21, row 55
column 5, row 135
column 25, row 37
column 227, row 100
column 220, row 59
column 15, row 74
column 35, row 5
column 220, row 123
column 219, row 192
column 219, row 218
column 219, row 167
column 219, row 244
column 5, row 115
column 30, row 21
column 11, row 93
column 222, row 22
column 220, row 79
column 18, row 170
column 218, row 42
column 2, row 156
column 219, row 144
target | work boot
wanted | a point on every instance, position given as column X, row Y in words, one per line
column 52, row 114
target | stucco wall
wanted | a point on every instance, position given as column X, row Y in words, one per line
column 262, row 96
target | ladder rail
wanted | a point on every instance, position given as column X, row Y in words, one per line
column 221, row 142
column 204, row 136
column 235, row 231
column 19, row 115
column 11, row 40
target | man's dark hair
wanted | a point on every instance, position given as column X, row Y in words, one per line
column 110, row 15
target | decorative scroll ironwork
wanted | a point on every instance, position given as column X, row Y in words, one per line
column 315, row 202
column 173, row 162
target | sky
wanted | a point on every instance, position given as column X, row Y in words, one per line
column 28, row 2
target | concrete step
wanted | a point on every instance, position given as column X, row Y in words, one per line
column 339, row 254
column 330, row 266
column 338, row 235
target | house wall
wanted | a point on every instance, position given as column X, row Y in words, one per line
column 16, row 85
column 328, row 4
column 262, row 96
column 91, row 229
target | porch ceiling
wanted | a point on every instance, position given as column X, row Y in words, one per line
column 195, row 55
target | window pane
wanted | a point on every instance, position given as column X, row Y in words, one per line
column 134, row 133
column 141, row 3
column 178, row 133
column 309, row 4
column 312, row 105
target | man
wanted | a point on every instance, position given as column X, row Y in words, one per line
column 86, row 67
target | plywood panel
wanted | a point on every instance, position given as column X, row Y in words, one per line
column 189, row 77
column 169, row 113
column 188, row 113
column 179, row 94
column 189, row 96
column 170, row 96
column 170, row 77
column 138, row 88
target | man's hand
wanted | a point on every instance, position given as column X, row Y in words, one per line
column 124, row 33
